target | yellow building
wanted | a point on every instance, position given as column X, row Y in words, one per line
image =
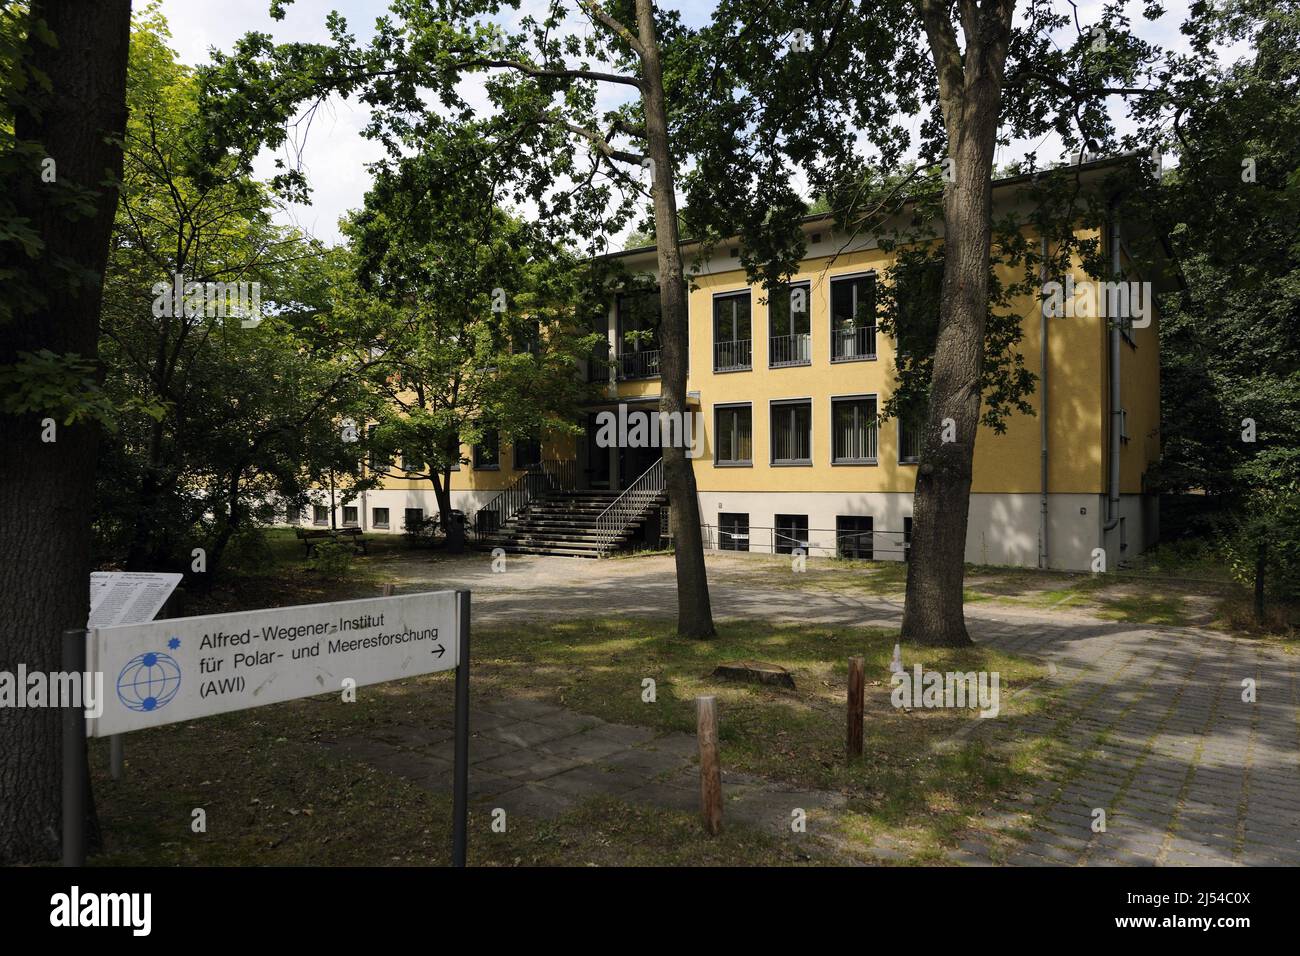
column 791, row 455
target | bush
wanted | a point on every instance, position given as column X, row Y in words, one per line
column 332, row 560
column 423, row 533
column 1266, row 532
column 248, row 551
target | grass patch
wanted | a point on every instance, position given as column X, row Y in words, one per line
column 275, row 793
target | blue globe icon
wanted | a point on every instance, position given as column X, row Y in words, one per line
column 149, row 681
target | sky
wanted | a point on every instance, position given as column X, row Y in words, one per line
column 336, row 152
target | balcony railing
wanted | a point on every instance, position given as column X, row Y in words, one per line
column 789, row 350
column 853, row 344
column 642, row 364
column 733, row 356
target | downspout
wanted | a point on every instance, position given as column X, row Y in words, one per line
column 1043, row 553
column 1116, row 411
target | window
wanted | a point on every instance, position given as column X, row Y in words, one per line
column 411, row 462
column 413, row 517
column 292, row 514
column 791, row 532
column 853, row 318
column 733, row 531
column 487, row 453
column 910, row 424
column 792, row 432
column 853, row 430
column 853, row 536
column 379, row 517
column 350, row 516
column 733, row 435
column 320, row 514
column 732, row 347
column 526, row 338
column 378, row 463
column 638, row 334
column 790, row 341
column 528, row 454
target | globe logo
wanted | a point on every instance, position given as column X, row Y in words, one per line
column 149, row 681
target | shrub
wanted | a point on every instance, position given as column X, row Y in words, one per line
column 332, row 560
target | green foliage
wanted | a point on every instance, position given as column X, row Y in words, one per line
column 1230, row 335
column 215, row 417
column 1265, row 534
column 470, row 312
column 424, row 532
column 332, row 560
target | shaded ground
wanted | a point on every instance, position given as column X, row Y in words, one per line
column 1143, row 721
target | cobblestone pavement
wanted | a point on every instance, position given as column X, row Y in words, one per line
column 1160, row 738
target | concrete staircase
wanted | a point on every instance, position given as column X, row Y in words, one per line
column 565, row 523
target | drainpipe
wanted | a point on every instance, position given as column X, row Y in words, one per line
column 1116, row 411
column 1043, row 559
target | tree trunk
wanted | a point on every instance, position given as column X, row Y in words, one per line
column 46, row 487
column 454, row 530
column 970, row 93
column 694, row 612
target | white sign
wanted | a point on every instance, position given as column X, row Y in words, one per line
column 179, row 669
column 128, row 597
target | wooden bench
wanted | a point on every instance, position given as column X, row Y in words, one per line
column 311, row 536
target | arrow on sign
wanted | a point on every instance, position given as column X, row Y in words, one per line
column 439, row 650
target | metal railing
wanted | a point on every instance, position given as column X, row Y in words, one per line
column 549, row 476
column 853, row 343
column 643, row 364
column 876, row 545
column 789, row 350
column 733, row 356
column 629, row 506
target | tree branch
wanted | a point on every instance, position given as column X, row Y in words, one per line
column 594, row 11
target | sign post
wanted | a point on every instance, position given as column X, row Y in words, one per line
column 460, row 785
column 177, row 669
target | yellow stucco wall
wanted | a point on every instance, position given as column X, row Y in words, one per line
column 1007, row 463
column 1003, row 463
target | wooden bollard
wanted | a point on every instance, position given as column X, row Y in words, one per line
column 857, row 692
column 388, row 589
column 706, row 731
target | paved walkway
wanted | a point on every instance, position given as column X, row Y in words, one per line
column 1161, row 739
column 538, row 760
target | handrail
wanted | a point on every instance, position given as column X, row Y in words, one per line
column 549, row 476
column 629, row 506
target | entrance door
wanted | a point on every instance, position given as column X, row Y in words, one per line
column 633, row 462
column 597, row 465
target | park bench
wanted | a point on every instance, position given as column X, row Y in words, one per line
column 310, row 538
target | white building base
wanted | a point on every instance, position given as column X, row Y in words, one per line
column 1004, row 529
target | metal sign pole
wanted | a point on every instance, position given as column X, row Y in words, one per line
column 74, row 755
column 460, row 784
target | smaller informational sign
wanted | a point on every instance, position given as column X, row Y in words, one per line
column 167, row 671
column 128, row 597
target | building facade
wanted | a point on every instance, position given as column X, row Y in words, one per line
column 787, row 394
